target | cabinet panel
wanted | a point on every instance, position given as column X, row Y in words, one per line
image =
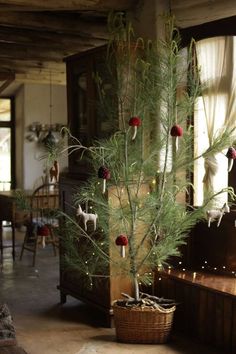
column 88, row 80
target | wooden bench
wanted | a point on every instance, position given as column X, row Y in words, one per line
column 207, row 305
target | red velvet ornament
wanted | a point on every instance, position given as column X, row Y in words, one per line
column 135, row 122
column 122, row 241
column 43, row 230
column 176, row 130
column 105, row 174
column 231, row 155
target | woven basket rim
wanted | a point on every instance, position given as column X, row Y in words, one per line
column 144, row 309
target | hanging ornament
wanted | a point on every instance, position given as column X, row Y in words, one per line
column 122, row 241
column 54, row 172
column 87, row 217
column 217, row 214
column 135, row 122
column 231, row 155
column 43, row 231
column 176, row 131
column 104, row 173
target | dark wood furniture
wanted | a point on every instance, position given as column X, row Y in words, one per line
column 213, row 248
column 207, row 305
column 87, row 121
column 104, row 290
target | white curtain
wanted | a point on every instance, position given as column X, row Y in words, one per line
column 216, row 109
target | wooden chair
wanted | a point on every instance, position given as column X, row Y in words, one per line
column 42, row 222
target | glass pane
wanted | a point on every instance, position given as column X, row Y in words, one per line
column 5, row 109
column 5, row 159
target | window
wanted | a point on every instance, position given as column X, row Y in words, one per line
column 215, row 111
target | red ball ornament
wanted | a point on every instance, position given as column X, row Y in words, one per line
column 135, row 122
column 122, row 241
column 176, row 130
column 104, row 173
column 231, row 155
column 43, row 230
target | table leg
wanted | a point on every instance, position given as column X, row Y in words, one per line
column 1, row 241
column 13, row 240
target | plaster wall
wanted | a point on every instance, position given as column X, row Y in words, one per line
column 36, row 107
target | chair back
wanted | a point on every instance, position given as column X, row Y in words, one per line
column 44, row 202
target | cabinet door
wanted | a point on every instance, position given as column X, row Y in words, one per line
column 89, row 87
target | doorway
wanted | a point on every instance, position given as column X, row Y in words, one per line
column 7, row 144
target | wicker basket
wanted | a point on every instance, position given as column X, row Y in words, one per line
column 137, row 325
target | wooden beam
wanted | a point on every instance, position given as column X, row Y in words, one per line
column 22, row 66
column 47, row 39
column 41, row 77
column 9, row 51
column 190, row 13
column 6, row 76
column 68, row 5
column 29, row 71
column 7, row 82
column 59, row 23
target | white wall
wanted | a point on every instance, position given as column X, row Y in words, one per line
column 33, row 103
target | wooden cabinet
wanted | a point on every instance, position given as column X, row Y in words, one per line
column 103, row 290
column 87, row 121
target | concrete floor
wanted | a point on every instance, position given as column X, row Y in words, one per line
column 43, row 326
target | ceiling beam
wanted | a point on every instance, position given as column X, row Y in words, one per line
column 59, row 23
column 9, row 78
column 190, row 13
column 68, row 5
column 9, row 51
column 33, row 70
column 47, row 39
column 41, row 77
